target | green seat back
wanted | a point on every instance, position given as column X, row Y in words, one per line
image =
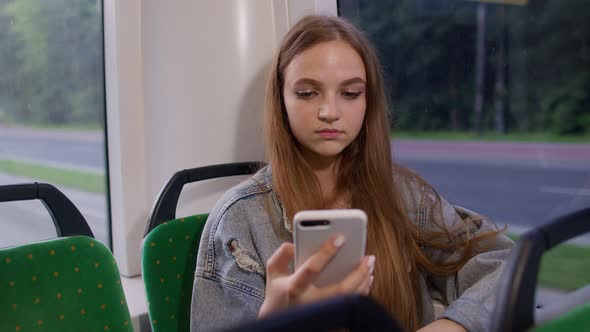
column 168, row 265
column 64, row 284
column 577, row 319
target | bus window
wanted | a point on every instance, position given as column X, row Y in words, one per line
column 52, row 111
column 490, row 103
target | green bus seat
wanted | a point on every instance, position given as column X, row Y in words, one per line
column 170, row 247
column 63, row 284
column 168, row 267
column 70, row 283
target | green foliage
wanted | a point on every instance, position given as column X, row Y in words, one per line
column 51, row 68
column 51, row 62
column 537, row 63
column 568, row 107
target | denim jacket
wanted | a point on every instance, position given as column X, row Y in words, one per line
column 239, row 238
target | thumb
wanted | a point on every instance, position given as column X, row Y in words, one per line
column 278, row 263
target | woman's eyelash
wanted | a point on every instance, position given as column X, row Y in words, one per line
column 351, row 95
column 305, row 94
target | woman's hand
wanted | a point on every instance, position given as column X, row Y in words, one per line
column 284, row 290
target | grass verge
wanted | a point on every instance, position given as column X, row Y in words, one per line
column 95, row 127
column 490, row 136
column 86, row 181
column 565, row 267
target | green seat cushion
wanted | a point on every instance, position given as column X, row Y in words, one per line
column 64, row 284
column 577, row 319
column 168, row 266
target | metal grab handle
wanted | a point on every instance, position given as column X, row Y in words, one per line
column 165, row 207
column 515, row 309
column 66, row 217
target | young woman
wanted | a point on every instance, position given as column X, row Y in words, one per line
column 328, row 146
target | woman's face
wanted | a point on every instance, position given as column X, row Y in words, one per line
column 324, row 94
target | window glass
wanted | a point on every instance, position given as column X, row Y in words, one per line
column 52, row 111
column 490, row 103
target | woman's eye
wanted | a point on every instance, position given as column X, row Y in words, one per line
column 306, row 94
column 351, row 94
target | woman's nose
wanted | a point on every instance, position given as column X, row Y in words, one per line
column 329, row 112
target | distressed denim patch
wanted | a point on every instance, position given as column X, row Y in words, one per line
column 243, row 258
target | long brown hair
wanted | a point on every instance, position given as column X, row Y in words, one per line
column 366, row 172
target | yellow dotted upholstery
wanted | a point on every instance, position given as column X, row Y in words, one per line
column 64, row 284
column 168, row 265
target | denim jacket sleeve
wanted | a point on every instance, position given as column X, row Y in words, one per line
column 475, row 283
column 470, row 293
column 226, row 292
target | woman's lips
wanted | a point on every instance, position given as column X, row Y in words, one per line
column 329, row 133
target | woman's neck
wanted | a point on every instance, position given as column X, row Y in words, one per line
column 328, row 178
column 326, row 171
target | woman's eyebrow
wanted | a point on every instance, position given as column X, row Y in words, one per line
column 352, row 81
column 310, row 81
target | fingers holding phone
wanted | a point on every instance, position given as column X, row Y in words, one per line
column 307, row 273
column 359, row 281
column 329, row 260
column 283, row 288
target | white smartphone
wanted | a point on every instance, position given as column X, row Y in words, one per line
column 313, row 227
